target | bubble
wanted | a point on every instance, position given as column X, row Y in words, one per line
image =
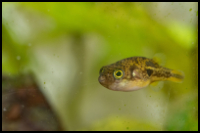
column 29, row 44
column 18, row 57
column 4, row 109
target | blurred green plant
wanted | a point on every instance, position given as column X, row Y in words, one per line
column 185, row 116
column 114, row 123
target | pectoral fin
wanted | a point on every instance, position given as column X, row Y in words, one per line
column 157, row 86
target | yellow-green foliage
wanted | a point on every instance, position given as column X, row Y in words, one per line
column 114, row 123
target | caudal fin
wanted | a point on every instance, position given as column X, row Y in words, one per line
column 176, row 76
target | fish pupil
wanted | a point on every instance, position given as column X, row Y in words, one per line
column 118, row 73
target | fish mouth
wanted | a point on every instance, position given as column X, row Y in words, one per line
column 101, row 80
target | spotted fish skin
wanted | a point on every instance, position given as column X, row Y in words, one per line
column 135, row 73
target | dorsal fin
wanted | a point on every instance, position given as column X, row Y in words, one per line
column 160, row 58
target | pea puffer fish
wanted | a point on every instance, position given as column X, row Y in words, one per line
column 135, row 73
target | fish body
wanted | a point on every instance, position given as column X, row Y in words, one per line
column 135, row 73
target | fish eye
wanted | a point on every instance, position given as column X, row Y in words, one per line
column 101, row 70
column 118, row 74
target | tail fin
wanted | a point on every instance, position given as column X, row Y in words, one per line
column 177, row 76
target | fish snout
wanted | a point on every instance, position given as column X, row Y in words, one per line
column 102, row 79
